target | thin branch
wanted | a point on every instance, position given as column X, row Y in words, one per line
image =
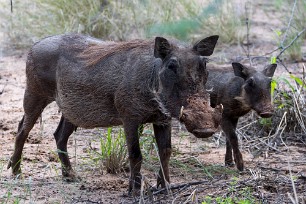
column 285, row 48
column 1, row 92
column 248, row 29
column 174, row 187
column 268, row 53
column 282, row 63
column 11, row 6
column 289, row 24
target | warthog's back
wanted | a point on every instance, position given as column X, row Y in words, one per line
column 94, row 91
column 43, row 59
column 224, row 86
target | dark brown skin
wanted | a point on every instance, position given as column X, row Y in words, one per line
column 239, row 92
column 102, row 84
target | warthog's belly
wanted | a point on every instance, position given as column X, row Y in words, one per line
column 85, row 101
column 87, row 111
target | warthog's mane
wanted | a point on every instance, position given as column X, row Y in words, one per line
column 96, row 52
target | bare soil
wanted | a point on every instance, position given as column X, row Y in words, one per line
column 271, row 177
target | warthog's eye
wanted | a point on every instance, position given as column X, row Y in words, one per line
column 173, row 65
column 251, row 82
column 204, row 61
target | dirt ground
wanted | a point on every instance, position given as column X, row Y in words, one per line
column 272, row 177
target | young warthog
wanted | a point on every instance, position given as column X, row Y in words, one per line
column 100, row 84
column 239, row 92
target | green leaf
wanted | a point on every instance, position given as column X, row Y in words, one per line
column 298, row 80
column 273, row 60
column 278, row 33
column 288, row 83
column 273, row 86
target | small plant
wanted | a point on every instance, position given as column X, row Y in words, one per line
column 234, row 195
column 113, row 152
column 288, row 93
column 15, row 190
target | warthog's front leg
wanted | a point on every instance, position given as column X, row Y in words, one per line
column 229, row 128
column 61, row 135
column 163, row 139
column 135, row 157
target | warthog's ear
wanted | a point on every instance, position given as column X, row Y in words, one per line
column 206, row 46
column 240, row 70
column 269, row 70
column 162, row 47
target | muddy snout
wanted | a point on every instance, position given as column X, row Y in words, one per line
column 265, row 112
column 203, row 133
column 199, row 117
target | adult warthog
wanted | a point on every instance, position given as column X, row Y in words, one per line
column 99, row 84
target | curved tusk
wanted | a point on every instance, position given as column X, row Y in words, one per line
column 181, row 112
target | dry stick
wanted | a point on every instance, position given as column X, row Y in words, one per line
column 174, row 187
column 282, row 63
column 11, row 6
column 179, row 191
column 275, row 137
column 1, row 92
column 191, row 197
column 289, row 24
column 285, row 48
column 162, row 170
column 298, row 113
column 289, row 167
column 180, row 186
column 247, row 25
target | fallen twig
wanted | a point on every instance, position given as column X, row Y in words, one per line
column 1, row 92
column 173, row 187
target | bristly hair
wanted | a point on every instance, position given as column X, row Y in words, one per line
column 94, row 53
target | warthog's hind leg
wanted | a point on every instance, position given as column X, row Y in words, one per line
column 33, row 106
column 61, row 135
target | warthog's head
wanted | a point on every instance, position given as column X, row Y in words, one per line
column 256, row 90
column 182, row 77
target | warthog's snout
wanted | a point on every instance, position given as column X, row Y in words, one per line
column 266, row 114
column 203, row 133
column 199, row 117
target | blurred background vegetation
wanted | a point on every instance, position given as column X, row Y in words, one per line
column 32, row 20
column 120, row 20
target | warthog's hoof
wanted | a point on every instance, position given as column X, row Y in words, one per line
column 70, row 176
column 239, row 161
column 72, row 179
column 229, row 163
column 16, row 170
column 134, row 192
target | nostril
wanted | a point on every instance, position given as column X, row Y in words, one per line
column 203, row 133
column 266, row 114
